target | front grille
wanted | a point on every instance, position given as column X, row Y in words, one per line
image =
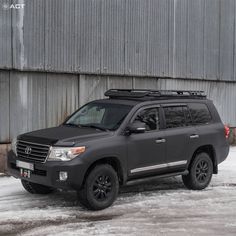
column 32, row 151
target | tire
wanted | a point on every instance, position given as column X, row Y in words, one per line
column 100, row 189
column 200, row 172
column 36, row 188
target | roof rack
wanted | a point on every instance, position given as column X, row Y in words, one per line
column 146, row 94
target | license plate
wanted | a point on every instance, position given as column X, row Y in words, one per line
column 25, row 173
column 25, row 165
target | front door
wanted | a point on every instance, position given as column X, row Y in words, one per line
column 146, row 151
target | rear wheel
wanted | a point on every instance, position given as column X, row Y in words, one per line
column 100, row 188
column 36, row 188
column 200, row 172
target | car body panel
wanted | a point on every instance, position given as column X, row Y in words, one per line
column 138, row 155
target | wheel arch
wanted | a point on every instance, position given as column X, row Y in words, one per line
column 209, row 149
column 112, row 161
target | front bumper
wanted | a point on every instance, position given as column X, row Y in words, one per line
column 48, row 173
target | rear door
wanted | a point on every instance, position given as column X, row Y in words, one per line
column 180, row 135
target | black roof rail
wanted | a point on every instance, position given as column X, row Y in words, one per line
column 147, row 94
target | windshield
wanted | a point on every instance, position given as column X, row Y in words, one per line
column 104, row 116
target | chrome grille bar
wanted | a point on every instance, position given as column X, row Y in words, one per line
column 32, row 151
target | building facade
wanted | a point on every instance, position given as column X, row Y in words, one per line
column 55, row 55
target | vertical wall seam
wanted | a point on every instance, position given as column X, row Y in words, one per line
column 46, row 99
column 125, row 25
column 219, row 58
column 233, row 76
column 44, row 37
column 9, row 104
column 187, row 41
column 203, row 54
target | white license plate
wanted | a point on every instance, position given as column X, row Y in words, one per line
column 25, row 165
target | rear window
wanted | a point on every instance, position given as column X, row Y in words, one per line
column 200, row 113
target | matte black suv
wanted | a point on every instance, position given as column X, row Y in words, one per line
column 133, row 135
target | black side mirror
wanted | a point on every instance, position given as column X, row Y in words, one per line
column 136, row 128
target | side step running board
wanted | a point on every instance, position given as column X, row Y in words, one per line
column 152, row 178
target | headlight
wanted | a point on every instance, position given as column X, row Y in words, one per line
column 65, row 154
column 13, row 145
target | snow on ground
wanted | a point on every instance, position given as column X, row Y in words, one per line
column 163, row 207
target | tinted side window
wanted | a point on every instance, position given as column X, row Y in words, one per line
column 150, row 117
column 200, row 113
column 176, row 116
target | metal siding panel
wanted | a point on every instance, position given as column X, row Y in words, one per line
column 5, row 35
column 136, row 36
column 34, row 34
column 113, row 21
column 195, row 43
column 143, row 83
column 27, row 103
column 4, row 106
column 227, row 19
column 158, row 38
column 223, row 94
column 175, row 38
column 119, row 82
column 211, row 39
column 234, row 50
column 19, row 59
column 60, row 35
column 88, row 36
column 91, row 88
column 171, row 39
column 179, row 26
column 62, row 97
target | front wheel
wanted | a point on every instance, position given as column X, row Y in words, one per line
column 100, row 188
column 200, row 172
column 36, row 188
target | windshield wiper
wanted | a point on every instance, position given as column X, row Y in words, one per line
column 95, row 127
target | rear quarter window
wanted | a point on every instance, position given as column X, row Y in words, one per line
column 200, row 113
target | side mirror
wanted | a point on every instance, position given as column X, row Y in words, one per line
column 136, row 128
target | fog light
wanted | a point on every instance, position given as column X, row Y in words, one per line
column 63, row 175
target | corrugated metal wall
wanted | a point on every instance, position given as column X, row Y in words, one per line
column 162, row 38
column 30, row 101
column 5, row 36
column 223, row 94
column 4, row 106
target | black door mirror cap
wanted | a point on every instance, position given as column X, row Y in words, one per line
column 136, row 128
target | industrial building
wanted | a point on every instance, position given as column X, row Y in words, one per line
column 56, row 55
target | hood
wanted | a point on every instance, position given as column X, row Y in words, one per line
column 63, row 135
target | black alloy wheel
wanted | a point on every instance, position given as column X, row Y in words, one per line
column 202, row 169
column 100, row 189
column 200, row 172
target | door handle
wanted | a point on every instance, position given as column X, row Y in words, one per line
column 160, row 140
column 194, row 136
